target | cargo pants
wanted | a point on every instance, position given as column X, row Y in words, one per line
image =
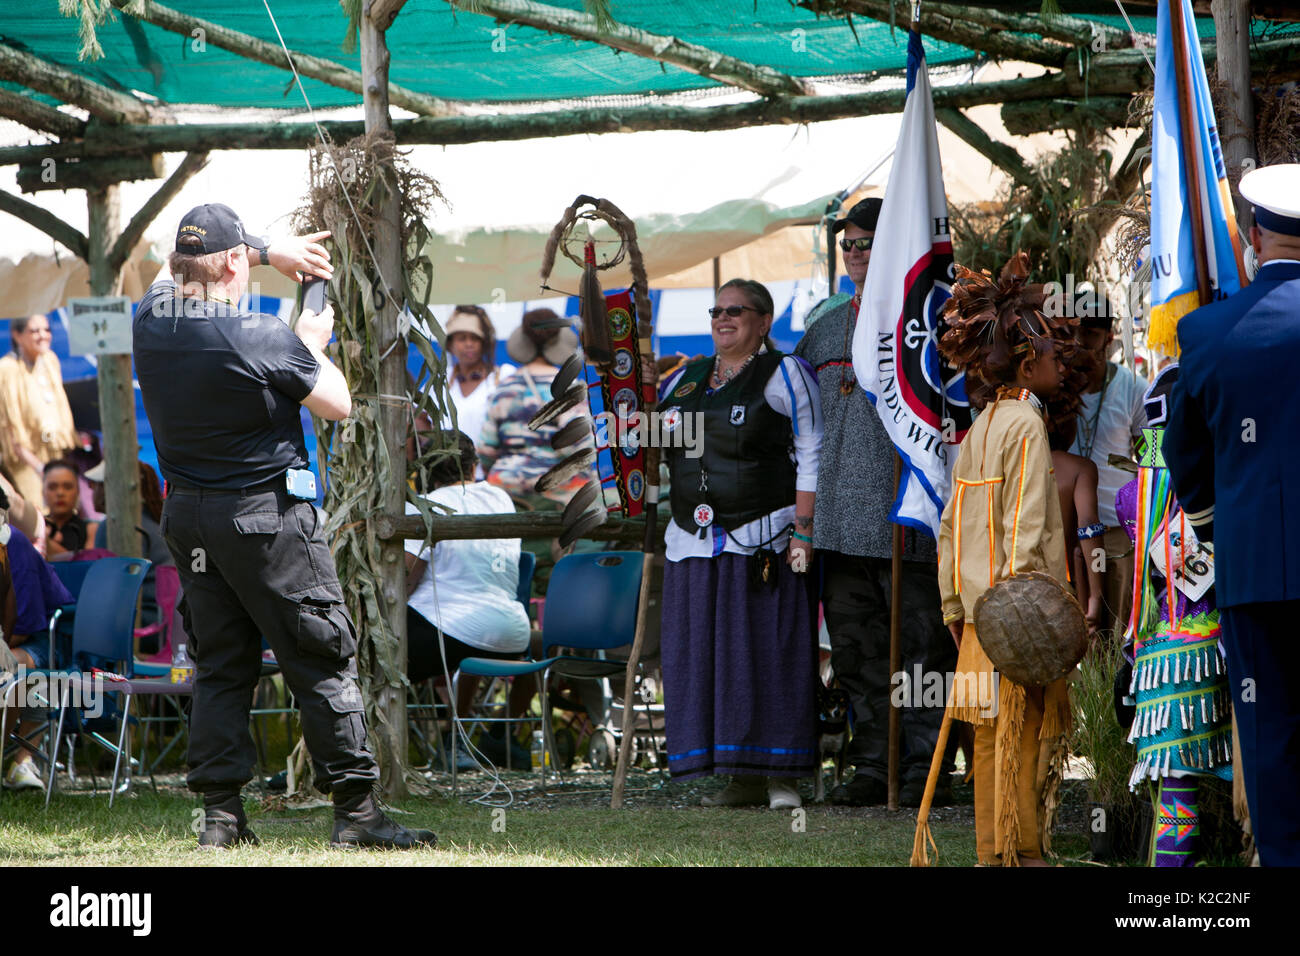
column 254, row 564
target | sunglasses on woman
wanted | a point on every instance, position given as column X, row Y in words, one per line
column 731, row 310
column 862, row 245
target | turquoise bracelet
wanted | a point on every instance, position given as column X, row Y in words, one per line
column 802, row 537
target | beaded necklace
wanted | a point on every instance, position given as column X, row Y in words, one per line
column 722, row 376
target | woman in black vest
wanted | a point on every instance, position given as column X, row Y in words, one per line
column 742, row 434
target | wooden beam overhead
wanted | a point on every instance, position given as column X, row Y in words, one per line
column 53, row 80
column 1001, row 155
column 382, row 13
column 1125, row 72
column 94, row 173
column 1112, row 74
column 191, row 164
column 271, row 54
column 1036, row 116
column 46, row 222
column 37, row 116
column 989, row 30
column 762, row 80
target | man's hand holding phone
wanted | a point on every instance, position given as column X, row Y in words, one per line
column 316, row 328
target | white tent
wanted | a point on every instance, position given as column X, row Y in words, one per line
column 748, row 196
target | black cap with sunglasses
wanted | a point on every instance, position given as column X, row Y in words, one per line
column 864, row 215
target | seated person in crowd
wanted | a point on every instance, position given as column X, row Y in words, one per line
column 515, row 456
column 37, row 594
column 152, row 545
column 464, row 591
column 23, row 514
column 66, row 529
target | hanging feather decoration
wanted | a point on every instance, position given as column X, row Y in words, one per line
column 591, row 309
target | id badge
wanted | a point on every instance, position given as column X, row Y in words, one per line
column 300, row 484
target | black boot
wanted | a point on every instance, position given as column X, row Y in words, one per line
column 224, row 823
column 358, row 822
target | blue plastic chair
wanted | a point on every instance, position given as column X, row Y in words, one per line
column 523, row 594
column 103, row 635
column 591, row 605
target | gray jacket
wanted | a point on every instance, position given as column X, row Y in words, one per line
column 855, row 481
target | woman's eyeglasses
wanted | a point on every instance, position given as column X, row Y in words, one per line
column 862, row 245
column 731, row 310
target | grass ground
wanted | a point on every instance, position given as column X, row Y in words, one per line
column 567, row 825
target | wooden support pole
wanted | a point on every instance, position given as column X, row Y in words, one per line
column 52, row 80
column 762, row 80
column 1237, row 121
column 147, row 213
column 1001, row 155
column 37, row 116
column 46, row 222
column 116, row 396
column 390, row 734
column 254, row 48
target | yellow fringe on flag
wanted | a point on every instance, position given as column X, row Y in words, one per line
column 1162, row 333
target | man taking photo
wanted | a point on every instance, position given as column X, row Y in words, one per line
column 222, row 388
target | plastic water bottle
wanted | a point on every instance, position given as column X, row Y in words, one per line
column 182, row 666
column 539, row 750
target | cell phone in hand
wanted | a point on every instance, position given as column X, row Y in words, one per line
column 313, row 294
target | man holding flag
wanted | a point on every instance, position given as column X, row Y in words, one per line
column 921, row 410
column 852, row 538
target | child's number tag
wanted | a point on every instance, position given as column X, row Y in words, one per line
column 1193, row 561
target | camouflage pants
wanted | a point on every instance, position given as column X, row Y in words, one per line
column 855, row 597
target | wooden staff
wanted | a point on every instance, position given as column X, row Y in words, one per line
column 895, row 642
column 1191, row 150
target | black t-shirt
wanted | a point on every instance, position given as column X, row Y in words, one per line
column 222, row 389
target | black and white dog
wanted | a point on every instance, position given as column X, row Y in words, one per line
column 833, row 708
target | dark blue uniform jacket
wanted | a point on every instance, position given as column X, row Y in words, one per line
column 1233, row 439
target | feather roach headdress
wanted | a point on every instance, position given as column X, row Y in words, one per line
column 994, row 324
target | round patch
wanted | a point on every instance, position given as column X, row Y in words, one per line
column 631, row 442
column 671, row 420
column 625, row 401
column 684, row 390
column 704, row 516
column 635, row 485
column 623, row 363
column 620, row 323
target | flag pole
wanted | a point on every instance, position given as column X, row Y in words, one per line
column 895, row 641
column 1191, row 173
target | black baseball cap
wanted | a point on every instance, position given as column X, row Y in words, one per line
column 863, row 215
column 217, row 228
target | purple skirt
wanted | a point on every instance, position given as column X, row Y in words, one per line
column 739, row 670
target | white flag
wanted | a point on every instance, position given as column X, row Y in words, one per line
column 921, row 401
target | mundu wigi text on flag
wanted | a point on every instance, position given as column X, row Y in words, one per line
column 921, row 401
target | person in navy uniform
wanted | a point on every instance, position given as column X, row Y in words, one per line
column 1231, row 448
column 223, row 389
